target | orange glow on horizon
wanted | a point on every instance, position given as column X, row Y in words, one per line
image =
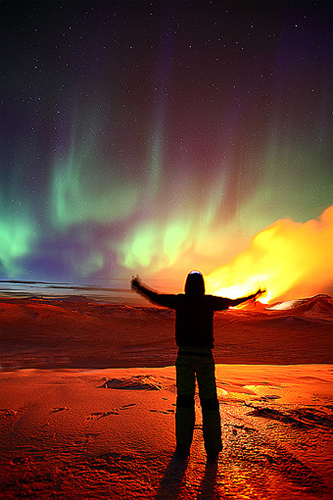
column 284, row 256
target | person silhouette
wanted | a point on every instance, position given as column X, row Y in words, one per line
column 195, row 341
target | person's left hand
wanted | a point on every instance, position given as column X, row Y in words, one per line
column 135, row 283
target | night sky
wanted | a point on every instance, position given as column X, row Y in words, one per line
column 158, row 137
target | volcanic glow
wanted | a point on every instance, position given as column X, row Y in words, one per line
column 281, row 258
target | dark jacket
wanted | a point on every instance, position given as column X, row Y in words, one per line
column 194, row 315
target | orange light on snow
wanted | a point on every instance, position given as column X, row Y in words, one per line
column 282, row 257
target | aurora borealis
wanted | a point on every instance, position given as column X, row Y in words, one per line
column 158, row 137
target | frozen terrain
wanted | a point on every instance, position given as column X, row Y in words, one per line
column 88, row 399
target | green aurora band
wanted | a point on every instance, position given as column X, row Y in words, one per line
column 120, row 158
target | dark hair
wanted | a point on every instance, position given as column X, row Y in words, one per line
column 195, row 285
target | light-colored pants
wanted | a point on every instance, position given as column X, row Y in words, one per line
column 197, row 364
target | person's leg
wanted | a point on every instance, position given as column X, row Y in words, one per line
column 185, row 412
column 210, row 407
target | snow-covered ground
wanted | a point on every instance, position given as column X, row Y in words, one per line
column 88, row 399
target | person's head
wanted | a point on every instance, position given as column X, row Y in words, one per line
column 195, row 285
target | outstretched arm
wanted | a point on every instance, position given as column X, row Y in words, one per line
column 236, row 302
column 137, row 285
column 159, row 298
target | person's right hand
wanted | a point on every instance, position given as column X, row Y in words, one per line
column 259, row 292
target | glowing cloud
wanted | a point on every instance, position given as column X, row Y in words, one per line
column 285, row 256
